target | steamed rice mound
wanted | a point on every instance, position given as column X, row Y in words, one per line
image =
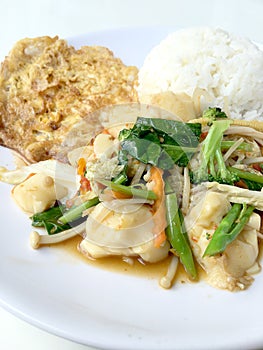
column 227, row 67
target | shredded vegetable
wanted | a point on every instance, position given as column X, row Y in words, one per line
column 164, row 188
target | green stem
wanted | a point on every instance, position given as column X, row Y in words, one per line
column 247, row 147
column 119, row 179
column 177, row 235
column 229, row 228
column 214, row 138
column 129, row 190
column 221, row 164
column 76, row 212
column 211, row 165
column 186, row 150
column 246, row 175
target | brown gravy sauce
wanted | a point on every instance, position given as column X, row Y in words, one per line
column 150, row 271
column 260, row 253
column 116, row 264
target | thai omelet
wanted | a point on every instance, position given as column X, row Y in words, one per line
column 47, row 87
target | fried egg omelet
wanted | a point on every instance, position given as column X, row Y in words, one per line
column 47, row 87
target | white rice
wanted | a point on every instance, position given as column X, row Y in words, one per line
column 228, row 67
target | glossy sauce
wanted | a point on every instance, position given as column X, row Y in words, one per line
column 149, row 271
column 260, row 253
column 116, row 264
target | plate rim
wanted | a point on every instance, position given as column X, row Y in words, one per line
column 31, row 320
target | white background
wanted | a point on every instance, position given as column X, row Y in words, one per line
column 67, row 18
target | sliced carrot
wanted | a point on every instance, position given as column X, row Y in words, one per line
column 119, row 195
column 115, row 194
column 159, row 239
column 159, row 216
column 81, row 166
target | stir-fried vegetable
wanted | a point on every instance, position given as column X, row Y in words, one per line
column 37, row 240
column 130, row 191
column 242, row 147
column 214, row 113
column 161, row 142
column 159, row 217
column 252, row 181
column 177, row 235
column 50, row 220
column 76, row 212
column 146, row 157
column 229, row 228
column 59, row 218
column 213, row 167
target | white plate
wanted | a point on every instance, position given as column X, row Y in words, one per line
column 63, row 295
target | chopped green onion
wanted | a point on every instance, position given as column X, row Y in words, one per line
column 76, row 212
column 129, row 190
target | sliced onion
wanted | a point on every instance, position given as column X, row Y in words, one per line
column 233, row 148
column 253, row 160
column 125, row 205
column 61, row 172
column 244, row 130
column 138, row 174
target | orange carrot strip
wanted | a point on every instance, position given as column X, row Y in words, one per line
column 119, row 195
column 81, row 166
column 116, row 195
column 159, row 239
column 159, row 216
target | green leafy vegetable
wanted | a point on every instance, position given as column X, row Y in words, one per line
column 229, row 228
column 185, row 134
column 49, row 220
column 161, row 142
